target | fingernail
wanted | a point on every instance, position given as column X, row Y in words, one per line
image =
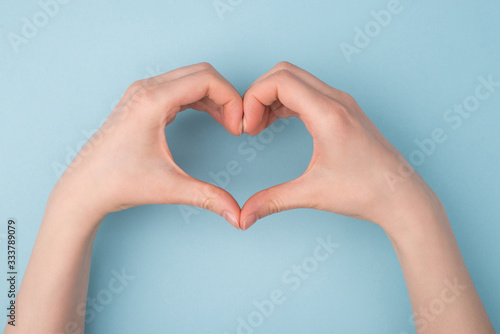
column 244, row 123
column 231, row 219
column 249, row 221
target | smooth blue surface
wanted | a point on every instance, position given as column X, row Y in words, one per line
column 199, row 275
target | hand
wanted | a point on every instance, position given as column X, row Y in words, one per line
column 352, row 163
column 128, row 163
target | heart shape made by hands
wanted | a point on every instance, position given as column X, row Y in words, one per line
column 344, row 139
column 337, row 179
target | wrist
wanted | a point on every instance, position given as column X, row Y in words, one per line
column 419, row 230
column 421, row 226
column 416, row 210
column 73, row 209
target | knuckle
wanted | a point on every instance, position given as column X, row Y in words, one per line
column 208, row 204
column 151, row 81
column 144, row 95
column 283, row 75
column 205, row 66
column 208, row 73
column 275, row 205
column 347, row 99
column 284, row 65
column 339, row 110
column 338, row 117
column 135, row 86
column 209, row 197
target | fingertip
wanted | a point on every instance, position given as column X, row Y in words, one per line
column 253, row 111
column 243, row 124
column 252, row 211
column 249, row 221
column 233, row 116
column 210, row 197
column 231, row 219
column 250, row 126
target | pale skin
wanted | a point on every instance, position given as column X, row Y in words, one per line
column 354, row 171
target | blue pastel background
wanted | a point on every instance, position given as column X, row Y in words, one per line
column 193, row 272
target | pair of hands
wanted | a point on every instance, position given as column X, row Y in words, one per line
column 128, row 163
column 354, row 171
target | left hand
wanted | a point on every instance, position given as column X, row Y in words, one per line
column 127, row 162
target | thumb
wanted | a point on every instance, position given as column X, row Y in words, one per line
column 286, row 196
column 209, row 197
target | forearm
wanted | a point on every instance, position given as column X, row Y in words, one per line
column 442, row 294
column 53, row 292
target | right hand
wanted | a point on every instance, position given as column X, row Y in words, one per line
column 352, row 162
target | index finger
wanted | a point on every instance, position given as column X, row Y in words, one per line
column 297, row 97
column 165, row 99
